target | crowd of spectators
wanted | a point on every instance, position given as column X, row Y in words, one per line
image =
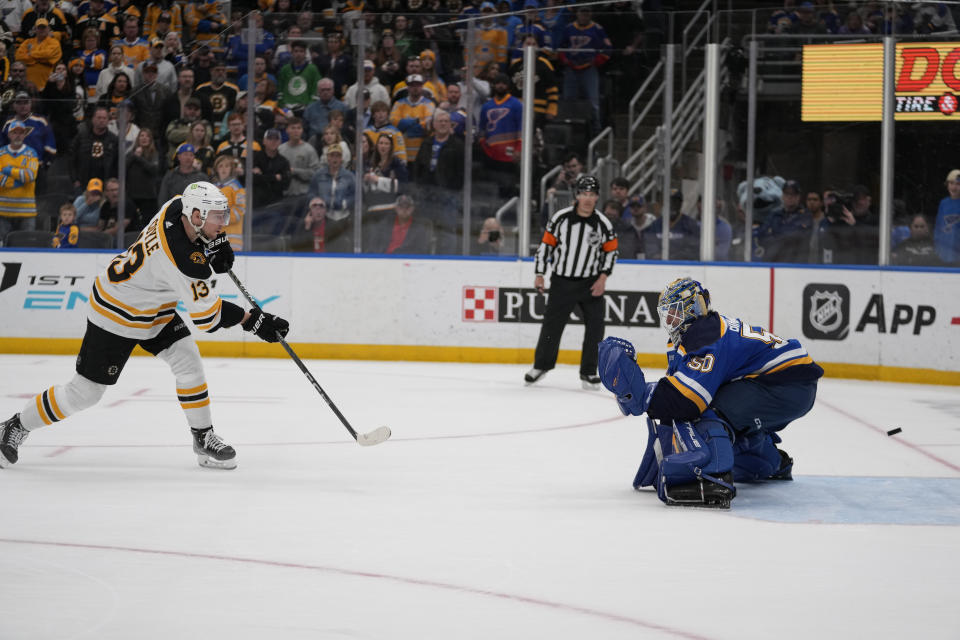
column 831, row 226
column 174, row 74
column 863, row 18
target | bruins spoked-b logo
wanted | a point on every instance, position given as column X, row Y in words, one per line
column 826, row 311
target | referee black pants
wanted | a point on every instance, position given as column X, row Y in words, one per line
column 566, row 294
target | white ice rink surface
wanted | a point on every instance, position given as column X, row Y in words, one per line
column 495, row 511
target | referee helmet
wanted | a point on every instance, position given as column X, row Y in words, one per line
column 585, row 184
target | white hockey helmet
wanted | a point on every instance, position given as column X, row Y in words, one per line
column 209, row 201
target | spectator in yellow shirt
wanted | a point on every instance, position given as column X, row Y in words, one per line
column 40, row 54
column 412, row 115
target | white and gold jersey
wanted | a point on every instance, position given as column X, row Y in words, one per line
column 138, row 295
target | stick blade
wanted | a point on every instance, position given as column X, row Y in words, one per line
column 378, row 435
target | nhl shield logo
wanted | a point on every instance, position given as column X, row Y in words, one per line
column 826, row 311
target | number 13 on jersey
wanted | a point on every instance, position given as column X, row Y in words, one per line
column 200, row 289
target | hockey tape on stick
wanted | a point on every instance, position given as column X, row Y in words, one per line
column 378, row 435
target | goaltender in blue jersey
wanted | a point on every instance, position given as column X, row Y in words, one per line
column 713, row 418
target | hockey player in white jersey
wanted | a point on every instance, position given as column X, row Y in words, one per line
column 134, row 302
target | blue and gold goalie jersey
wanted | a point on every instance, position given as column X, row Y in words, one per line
column 138, row 294
column 715, row 350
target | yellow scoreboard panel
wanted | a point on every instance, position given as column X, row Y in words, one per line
column 844, row 82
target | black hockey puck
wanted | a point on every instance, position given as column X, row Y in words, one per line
column 894, row 432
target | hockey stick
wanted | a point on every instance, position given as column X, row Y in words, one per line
column 378, row 435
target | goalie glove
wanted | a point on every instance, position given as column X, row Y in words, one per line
column 621, row 375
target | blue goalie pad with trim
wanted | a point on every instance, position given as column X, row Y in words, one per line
column 685, row 453
column 756, row 457
column 658, row 444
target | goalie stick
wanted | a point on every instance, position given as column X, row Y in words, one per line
column 378, row 435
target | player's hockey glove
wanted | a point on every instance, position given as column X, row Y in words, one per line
column 621, row 375
column 266, row 326
column 220, row 254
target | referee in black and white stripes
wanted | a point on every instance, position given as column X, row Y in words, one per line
column 581, row 245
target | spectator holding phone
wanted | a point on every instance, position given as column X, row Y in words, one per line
column 490, row 239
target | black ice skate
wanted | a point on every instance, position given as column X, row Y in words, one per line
column 785, row 472
column 590, row 382
column 212, row 451
column 702, row 493
column 12, row 434
column 534, row 375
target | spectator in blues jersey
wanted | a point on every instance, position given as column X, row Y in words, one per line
column 501, row 121
column 18, row 179
column 40, row 137
column 530, row 23
column 237, row 49
column 583, row 49
column 67, row 230
column 715, row 417
column 412, row 114
column 946, row 230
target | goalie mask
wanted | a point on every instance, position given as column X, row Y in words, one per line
column 682, row 301
column 209, row 201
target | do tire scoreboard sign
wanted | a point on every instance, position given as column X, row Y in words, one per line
column 844, row 82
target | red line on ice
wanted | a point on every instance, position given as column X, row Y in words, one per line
column 882, row 431
column 419, row 582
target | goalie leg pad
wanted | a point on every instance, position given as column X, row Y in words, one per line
column 658, row 444
column 756, row 457
column 699, row 472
